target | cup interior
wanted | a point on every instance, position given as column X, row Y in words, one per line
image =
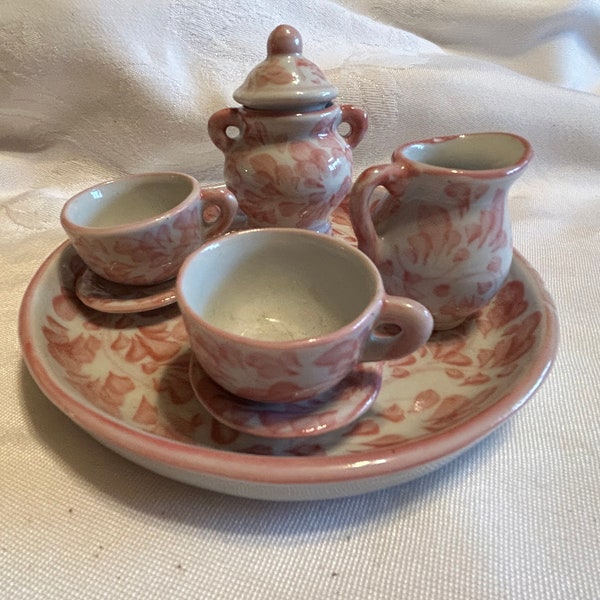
column 128, row 200
column 277, row 285
column 469, row 152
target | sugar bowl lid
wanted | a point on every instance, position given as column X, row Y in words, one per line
column 285, row 80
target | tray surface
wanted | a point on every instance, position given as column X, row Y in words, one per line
column 124, row 379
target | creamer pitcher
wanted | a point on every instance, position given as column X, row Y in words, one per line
column 442, row 233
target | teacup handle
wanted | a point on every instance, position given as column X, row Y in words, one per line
column 402, row 327
column 218, row 124
column 388, row 176
column 358, row 121
column 227, row 205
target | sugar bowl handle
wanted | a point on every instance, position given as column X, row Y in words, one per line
column 218, row 124
column 358, row 121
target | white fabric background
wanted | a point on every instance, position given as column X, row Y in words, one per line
column 90, row 89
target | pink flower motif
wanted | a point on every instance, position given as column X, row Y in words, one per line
column 436, row 238
column 456, row 408
column 256, row 133
column 516, row 342
column 450, row 352
column 174, row 383
column 65, row 305
column 221, row 434
column 317, row 76
column 489, row 230
column 271, row 73
column 509, row 303
column 424, row 400
column 441, row 290
column 495, row 264
column 476, row 379
column 393, row 413
column 274, row 366
column 310, row 162
column 307, row 450
column 270, row 175
column 339, row 357
column 146, row 414
column 109, row 395
column 463, row 193
column 71, row 354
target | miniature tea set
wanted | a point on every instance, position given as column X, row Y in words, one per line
column 269, row 361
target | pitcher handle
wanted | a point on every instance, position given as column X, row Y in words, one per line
column 386, row 176
column 358, row 121
column 217, row 127
column 402, row 327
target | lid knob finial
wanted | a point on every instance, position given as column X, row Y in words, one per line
column 284, row 39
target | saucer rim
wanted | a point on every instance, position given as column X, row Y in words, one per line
column 359, row 409
column 133, row 305
column 197, row 461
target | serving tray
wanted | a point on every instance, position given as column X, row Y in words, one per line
column 123, row 378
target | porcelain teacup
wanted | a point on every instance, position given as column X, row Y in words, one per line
column 138, row 229
column 283, row 314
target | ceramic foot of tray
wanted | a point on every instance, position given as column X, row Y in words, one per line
column 124, row 379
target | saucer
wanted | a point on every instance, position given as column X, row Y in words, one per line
column 110, row 297
column 124, row 379
column 327, row 412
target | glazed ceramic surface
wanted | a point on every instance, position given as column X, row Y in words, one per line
column 442, row 235
column 138, row 229
column 107, row 296
column 286, row 80
column 288, row 169
column 124, row 379
column 332, row 410
column 285, row 160
column 280, row 315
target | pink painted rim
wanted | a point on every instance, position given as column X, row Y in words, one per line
column 513, row 169
column 347, row 329
column 73, row 228
column 269, row 470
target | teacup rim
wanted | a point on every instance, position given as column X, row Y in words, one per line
column 377, row 300
column 70, row 226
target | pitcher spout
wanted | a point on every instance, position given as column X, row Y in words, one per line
column 487, row 155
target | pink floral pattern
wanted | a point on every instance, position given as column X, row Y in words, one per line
column 441, row 237
column 135, row 368
column 327, row 412
column 288, row 170
column 455, row 257
column 274, row 74
column 277, row 375
column 153, row 253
